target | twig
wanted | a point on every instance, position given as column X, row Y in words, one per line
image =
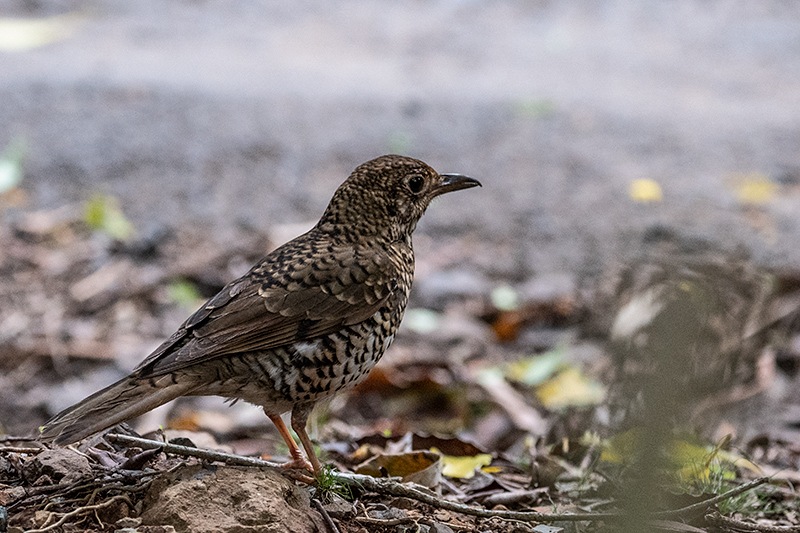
column 15, row 449
column 209, row 455
column 701, row 506
column 394, row 488
column 408, row 490
column 10, row 438
column 390, row 522
column 80, row 510
column 325, row 516
column 188, row 451
column 731, row 523
column 386, row 522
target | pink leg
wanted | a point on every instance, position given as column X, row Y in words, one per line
column 298, row 461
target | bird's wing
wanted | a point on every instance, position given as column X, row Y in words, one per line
column 284, row 299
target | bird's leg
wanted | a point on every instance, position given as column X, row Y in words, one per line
column 298, row 461
column 299, row 418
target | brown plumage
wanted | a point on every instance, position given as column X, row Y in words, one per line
column 310, row 319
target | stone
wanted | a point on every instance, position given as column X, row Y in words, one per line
column 229, row 499
column 62, row 465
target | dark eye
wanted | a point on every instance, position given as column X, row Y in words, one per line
column 415, row 183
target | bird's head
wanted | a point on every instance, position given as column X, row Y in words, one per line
column 386, row 197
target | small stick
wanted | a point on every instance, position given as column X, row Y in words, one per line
column 731, row 523
column 80, row 510
column 325, row 516
column 188, row 451
column 16, row 449
column 408, row 490
column 700, row 506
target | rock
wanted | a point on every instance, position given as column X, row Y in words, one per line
column 229, row 499
column 339, row 508
column 62, row 465
column 128, row 523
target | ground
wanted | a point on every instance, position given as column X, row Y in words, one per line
column 220, row 130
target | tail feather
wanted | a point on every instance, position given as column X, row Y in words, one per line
column 125, row 399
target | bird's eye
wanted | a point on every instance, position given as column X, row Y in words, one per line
column 415, row 183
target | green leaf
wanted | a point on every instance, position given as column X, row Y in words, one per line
column 535, row 370
column 184, row 293
column 505, row 298
column 536, row 108
column 11, row 165
column 421, row 320
column 401, row 142
column 103, row 213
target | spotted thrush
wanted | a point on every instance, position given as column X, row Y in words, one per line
column 309, row 320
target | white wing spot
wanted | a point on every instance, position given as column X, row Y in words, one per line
column 387, row 341
column 307, row 348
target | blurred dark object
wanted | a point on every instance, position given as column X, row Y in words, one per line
column 695, row 331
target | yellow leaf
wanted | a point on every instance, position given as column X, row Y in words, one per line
column 737, row 460
column 645, row 191
column 621, row 448
column 570, row 388
column 19, row 34
column 463, row 467
column 755, row 188
column 690, row 462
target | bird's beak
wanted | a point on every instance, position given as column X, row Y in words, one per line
column 454, row 182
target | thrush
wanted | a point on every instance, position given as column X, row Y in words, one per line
column 311, row 319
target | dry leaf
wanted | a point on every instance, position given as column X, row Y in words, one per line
column 463, row 467
column 645, row 191
column 422, row 467
column 20, row 34
column 570, row 388
column 755, row 188
column 535, row 370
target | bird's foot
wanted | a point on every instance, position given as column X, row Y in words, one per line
column 298, row 463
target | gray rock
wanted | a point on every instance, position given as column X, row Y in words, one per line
column 229, row 499
column 61, row 465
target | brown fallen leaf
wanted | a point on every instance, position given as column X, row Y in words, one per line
column 508, row 323
column 422, row 467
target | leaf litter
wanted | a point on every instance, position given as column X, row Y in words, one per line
column 653, row 382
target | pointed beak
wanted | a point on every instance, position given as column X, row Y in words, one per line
column 454, row 182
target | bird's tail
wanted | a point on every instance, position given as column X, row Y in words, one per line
column 127, row 398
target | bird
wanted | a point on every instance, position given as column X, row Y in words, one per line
column 309, row 320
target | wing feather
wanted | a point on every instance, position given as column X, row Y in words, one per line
column 277, row 303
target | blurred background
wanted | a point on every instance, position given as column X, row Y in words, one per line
column 153, row 150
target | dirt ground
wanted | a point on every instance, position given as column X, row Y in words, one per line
column 222, row 129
